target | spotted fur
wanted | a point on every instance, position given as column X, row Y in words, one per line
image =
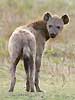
column 27, row 43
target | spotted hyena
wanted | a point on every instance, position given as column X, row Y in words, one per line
column 27, row 43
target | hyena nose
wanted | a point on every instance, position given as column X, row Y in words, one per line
column 52, row 35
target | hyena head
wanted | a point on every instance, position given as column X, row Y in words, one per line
column 54, row 24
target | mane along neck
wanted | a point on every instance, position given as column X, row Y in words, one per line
column 41, row 27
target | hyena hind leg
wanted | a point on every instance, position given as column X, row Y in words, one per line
column 29, row 68
column 12, row 72
column 26, row 67
column 32, row 73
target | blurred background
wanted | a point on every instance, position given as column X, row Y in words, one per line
column 58, row 61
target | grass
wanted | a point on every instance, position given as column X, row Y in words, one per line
column 55, row 79
column 57, row 76
column 51, row 91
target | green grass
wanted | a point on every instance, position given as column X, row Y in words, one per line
column 55, row 79
column 51, row 91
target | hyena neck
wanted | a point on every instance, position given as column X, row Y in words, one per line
column 40, row 26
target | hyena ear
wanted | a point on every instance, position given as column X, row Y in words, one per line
column 46, row 16
column 65, row 19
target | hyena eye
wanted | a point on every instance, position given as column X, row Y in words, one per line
column 58, row 27
column 50, row 26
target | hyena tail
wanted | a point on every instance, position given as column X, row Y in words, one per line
column 29, row 68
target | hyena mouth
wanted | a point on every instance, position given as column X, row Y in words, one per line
column 52, row 35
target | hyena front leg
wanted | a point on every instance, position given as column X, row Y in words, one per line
column 38, row 64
